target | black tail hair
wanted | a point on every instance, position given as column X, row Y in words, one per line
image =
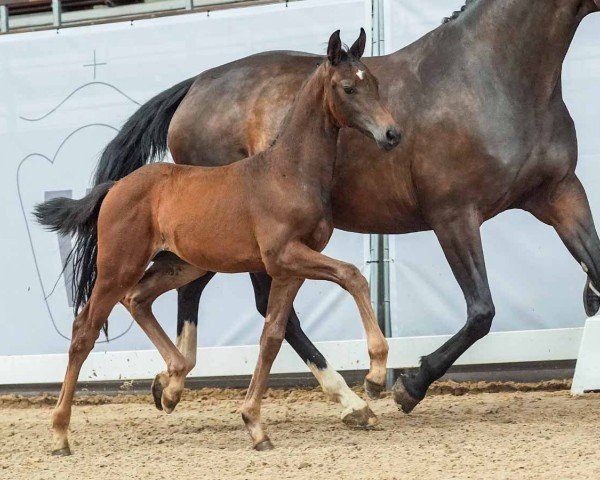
column 143, row 138
column 80, row 218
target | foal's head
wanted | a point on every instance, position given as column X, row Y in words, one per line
column 352, row 93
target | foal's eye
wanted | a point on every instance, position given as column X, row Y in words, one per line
column 349, row 89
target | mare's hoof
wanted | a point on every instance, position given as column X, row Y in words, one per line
column 363, row 419
column 62, row 452
column 157, row 391
column 264, row 446
column 591, row 301
column 404, row 399
column 373, row 389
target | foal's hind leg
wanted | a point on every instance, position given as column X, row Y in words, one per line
column 565, row 207
column 166, row 273
column 333, row 384
column 110, row 286
column 86, row 329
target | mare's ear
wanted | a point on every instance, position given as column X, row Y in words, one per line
column 358, row 49
column 334, row 49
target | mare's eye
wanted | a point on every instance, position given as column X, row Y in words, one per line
column 349, row 89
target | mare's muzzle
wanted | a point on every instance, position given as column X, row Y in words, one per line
column 390, row 138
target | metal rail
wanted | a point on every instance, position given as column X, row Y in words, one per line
column 58, row 19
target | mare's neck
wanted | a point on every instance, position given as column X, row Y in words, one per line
column 517, row 43
column 528, row 39
column 306, row 147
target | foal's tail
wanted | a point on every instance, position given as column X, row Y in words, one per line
column 143, row 138
column 80, row 218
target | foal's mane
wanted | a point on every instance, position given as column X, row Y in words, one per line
column 457, row 13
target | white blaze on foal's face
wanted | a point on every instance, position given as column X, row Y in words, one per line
column 360, row 74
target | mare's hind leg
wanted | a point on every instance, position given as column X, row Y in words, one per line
column 333, row 384
column 188, row 298
column 565, row 207
column 299, row 260
column 166, row 273
column 283, row 292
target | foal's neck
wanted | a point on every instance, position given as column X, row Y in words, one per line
column 306, row 147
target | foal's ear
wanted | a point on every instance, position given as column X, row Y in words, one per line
column 358, row 48
column 334, row 49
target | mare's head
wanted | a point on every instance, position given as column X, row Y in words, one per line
column 352, row 93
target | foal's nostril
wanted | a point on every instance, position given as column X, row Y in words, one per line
column 393, row 136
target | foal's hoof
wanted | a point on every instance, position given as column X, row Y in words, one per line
column 157, row 391
column 373, row 389
column 362, row 419
column 62, row 452
column 404, row 399
column 591, row 301
column 264, row 446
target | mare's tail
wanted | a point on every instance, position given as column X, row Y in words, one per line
column 143, row 138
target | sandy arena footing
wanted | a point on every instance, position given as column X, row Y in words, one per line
column 505, row 435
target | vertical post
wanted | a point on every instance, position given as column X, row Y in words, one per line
column 378, row 33
column 3, row 19
column 387, row 314
column 56, row 13
column 189, row 4
column 374, row 275
column 380, row 272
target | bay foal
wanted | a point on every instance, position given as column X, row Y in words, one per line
column 270, row 212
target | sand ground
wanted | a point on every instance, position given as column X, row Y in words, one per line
column 507, row 435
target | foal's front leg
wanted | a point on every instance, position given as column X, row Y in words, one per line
column 297, row 259
column 283, row 292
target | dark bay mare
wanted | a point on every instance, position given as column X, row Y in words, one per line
column 486, row 130
column 270, row 212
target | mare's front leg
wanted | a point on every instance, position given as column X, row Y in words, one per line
column 188, row 300
column 333, row 384
column 461, row 242
column 564, row 206
column 297, row 259
column 283, row 292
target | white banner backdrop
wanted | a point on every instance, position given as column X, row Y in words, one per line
column 535, row 282
column 63, row 96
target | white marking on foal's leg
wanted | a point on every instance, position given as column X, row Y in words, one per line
column 186, row 343
column 592, row 287
column 335, row 387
